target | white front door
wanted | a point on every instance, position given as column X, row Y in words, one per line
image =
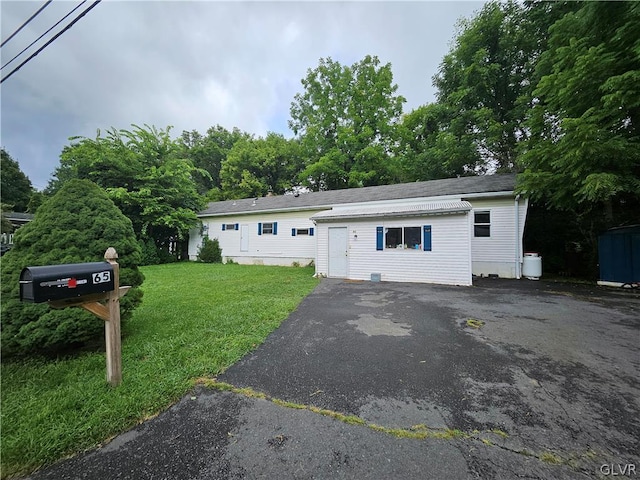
column 244, row 238
column 338, row 252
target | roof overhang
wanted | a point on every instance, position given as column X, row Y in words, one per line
column 507, row 193
column 264, row 210
column 395, row 211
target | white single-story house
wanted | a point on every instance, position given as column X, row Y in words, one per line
column 439, row 231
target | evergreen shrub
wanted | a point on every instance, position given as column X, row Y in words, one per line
column 76, row 225
column 210, row 251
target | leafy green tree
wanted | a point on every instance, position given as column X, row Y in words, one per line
column 346, row 120
column 255, row 167
column 485, row 81
column 143, row 173
column 208, row 152
column 76, row 225
column 37, row 198
column 15, row 188
column 584, row 150
column 430, row 148
column 582, row 159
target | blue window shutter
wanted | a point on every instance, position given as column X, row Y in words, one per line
column 224, row 227
column 275, row 228
column 237, row 226
column 311, row 231
column 259, row 229
column 427, row 238
column 379, row 238
column 293, row 232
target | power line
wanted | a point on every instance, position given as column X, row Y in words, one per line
column 84, row 12
column 37, row 39
column 25, row 23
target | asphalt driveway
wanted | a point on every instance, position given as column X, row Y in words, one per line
column 505, row 379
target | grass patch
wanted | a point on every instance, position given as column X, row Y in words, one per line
column 500, row 433
column 284, row 403
column 551, row 458
column 418, row 432
column 196, row 320
column 474, row 323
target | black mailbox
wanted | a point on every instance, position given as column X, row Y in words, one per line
column 60, row 282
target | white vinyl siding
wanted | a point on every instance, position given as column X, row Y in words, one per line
column 448, row 262
column 456, row 253
column 267, row 249
column 322, row 248
column 496, row 255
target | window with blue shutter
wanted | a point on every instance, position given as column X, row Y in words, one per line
column 426, row 230
column 296, row 232
column 268, row 228
column 379, row 238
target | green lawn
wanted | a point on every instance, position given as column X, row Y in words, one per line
column 196, row 320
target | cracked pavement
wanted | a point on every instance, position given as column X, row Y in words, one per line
column 548, row 386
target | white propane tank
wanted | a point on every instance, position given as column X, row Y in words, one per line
column 532, row 266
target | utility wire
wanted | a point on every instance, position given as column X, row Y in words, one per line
column 37, row 39
column 84, row 12
column 25, row 23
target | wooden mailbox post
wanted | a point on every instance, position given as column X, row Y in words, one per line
column 86, row 286
column 111, row 316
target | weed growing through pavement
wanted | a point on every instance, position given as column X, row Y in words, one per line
column 549, row 457
column 417, row 432
column 474, row 323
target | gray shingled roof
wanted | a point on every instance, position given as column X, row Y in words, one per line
column 314, row 200
column 19, row 217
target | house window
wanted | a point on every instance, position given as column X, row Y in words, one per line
column 482, row 224
column 230, row 226
column 302, row 231
column 409, row 238
column 403, row 237
column 268, row 228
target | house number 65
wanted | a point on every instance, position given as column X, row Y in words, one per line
column 101, row 277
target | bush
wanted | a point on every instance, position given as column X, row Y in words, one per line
column 76, row 225
column 165, row 256
column 149, row 252
column 152, row 254
column 210, row 251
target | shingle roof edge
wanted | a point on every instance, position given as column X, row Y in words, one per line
column 465, row 186
column 422, row 210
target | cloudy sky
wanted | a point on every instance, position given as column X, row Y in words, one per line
column 196, row 64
